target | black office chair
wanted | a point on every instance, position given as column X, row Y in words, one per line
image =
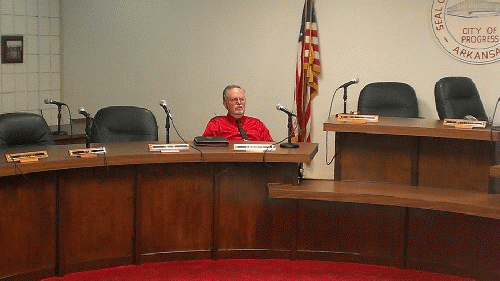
column 22, row 129
column 388, row 99
column 123, row 124
column 458, row 97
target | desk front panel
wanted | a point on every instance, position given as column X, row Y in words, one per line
column 351, row 232
column 455, row 163
column 28, row 226
column 174, row 212
column 248, row 225
column 378, row 158
column 96, row 217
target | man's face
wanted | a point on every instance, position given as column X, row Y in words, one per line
column 235, row 102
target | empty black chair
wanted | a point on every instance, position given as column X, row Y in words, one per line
column 388, row 99
column 123, row 124
column 22, row 129
column 457, row 97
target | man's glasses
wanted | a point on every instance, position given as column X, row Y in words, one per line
column 235, row 100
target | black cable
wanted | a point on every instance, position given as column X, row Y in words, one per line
column 276, row 143
column 179, row 135
column 70, row 123
column 18, row 169
column 326, row 135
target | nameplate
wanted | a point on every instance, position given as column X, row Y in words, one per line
column 254, row 147
column 26, row 157
column 356, row 118
column 87, row 152
column 175, row 147
column 464, row 123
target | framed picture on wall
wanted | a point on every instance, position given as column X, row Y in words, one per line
column 12, row 49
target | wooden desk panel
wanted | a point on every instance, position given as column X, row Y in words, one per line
column 247, row 223
column 349, row 232
column 455, row 163
column 28, row 226
column 96, row 217
column 378, row 158
column 414, row 151
column 174, row 212
column 453, row 243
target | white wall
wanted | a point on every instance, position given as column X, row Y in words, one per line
column 24, row 86
column 133, row 52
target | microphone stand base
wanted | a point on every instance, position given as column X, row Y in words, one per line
column 289, row 145
column 59, row 133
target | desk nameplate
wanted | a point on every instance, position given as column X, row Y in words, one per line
column 26, row 157
column 254, row 147
column 87, row 152
column 464, row 123
column 356, row 118
column 168, row 147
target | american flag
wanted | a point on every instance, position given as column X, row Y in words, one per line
column 306, row 71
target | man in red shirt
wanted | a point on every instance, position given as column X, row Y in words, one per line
column 249, row 128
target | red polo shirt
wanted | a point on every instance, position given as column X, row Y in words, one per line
column 225, row 126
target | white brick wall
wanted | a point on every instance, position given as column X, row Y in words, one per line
column 25, row 86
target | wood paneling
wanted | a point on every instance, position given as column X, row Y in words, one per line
column 454, row 244
column 28, row 226
column 175, row 211
column 455, row 163
column 351, row 232
column 247, row 222
column 96, row 217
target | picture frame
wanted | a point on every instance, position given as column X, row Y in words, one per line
column 12, row 49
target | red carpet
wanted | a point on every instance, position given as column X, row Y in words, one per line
column 253, row 270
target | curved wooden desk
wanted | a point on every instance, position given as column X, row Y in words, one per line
column 424, row 228
column 66, row 214
column 409, row 193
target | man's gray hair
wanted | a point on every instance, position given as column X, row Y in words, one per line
column 229, row 87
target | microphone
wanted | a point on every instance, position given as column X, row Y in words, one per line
column 284, row 109
column 83, row 112
column 347, row 84
column 163, row 104
column 47, row 101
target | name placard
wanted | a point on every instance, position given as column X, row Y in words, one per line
column 255, row 147
column 26, row 157
column 464, row 123
column 356, row 118
column 175, row 147
column 87, row 152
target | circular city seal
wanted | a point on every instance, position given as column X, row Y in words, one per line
column 468, row 30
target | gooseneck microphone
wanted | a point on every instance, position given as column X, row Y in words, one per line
column 288, row 144
column 163, row 104
column 59, row 105
column 47, row 101
column 347, row 84
column 83, row 112
column 284, row 109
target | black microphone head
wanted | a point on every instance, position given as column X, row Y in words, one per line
column 279, row 106
column 46, row 101
column 163, row 103
column 355, row 80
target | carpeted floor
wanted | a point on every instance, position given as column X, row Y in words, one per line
column 254, row 270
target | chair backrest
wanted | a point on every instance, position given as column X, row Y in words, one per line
column 22, row 129
column 123, row 124
column 457, row 97
column 388, row 99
